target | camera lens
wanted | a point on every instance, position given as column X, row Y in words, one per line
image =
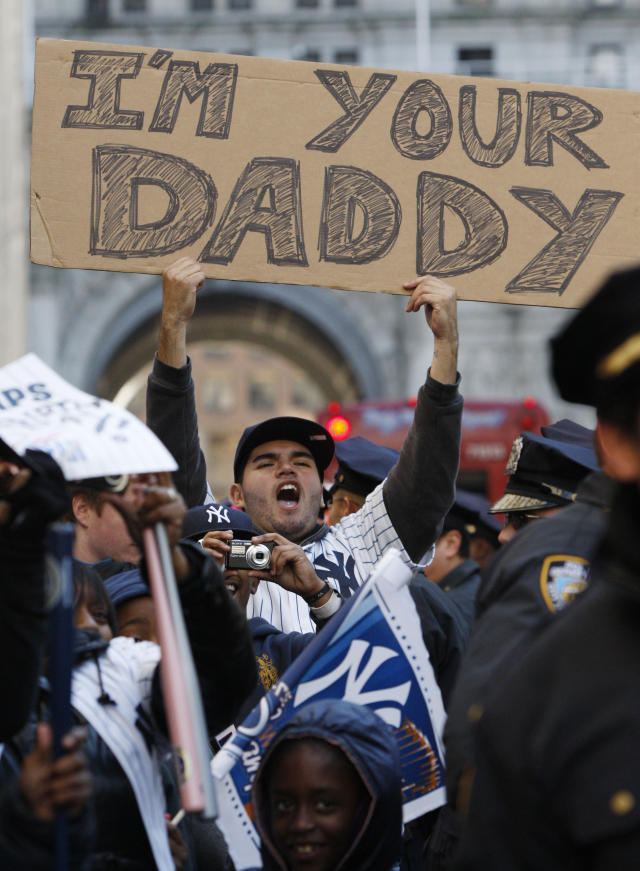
column 258, row 556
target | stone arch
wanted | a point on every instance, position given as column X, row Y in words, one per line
column 309, row 326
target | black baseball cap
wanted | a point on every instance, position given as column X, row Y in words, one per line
column 293, row 429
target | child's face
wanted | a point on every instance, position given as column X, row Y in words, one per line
column 92, row 614
column 137, row 619
column 314, row 797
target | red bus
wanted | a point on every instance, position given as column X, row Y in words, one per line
column 488, row 431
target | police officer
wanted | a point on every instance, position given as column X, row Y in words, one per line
column 452, row 568
column 482, row 527
column 557, row 779
column 533, row 577
column 362, row 465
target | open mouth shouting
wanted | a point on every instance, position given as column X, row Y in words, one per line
column 288, row 496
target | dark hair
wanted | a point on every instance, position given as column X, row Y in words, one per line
column 465, row 539
column 623, row 412
column 87, row 584
column 95, row 499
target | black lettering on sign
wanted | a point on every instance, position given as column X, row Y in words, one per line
column 503, row 145
column 120, row 173
column 552, row 269
column 159, row 57
column 555, row 116
column 351, row 193
column 422, row 96
column 105, row 70
column 266, row 199
column 215, row 86
column 356, row 106
column 485, row 226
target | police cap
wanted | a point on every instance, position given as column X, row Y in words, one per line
column 596, row 357
column 543, row 473
column 362, row 465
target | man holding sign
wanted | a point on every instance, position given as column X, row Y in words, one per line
column 280, row 463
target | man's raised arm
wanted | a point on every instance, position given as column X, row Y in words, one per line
column 171, row 410
column 420, row 488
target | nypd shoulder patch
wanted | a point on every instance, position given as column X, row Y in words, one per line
column 563, row 577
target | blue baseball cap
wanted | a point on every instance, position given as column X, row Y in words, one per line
column 213, row 517
column 126, row 585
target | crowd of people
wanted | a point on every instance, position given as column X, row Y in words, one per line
column 531, row 626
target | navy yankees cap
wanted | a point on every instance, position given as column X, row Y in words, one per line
column 212, row 517
column 596, row 357
column 362, row 465
column 293, row 429
column 544, row 473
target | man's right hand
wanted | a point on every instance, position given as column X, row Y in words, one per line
column 180, row 283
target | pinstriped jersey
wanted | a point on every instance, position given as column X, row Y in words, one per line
column 343, row 557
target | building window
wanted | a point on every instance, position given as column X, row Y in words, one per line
column 475, row 2
column 240, row 4
column 345, row 2
column 311, row 54
column 475, row 62
column 605, row 66
column 201, row 5
column 346, row 56
column 134, row 5
column 97, row 12
column 307, row 4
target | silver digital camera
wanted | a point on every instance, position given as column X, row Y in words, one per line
column 245, row 555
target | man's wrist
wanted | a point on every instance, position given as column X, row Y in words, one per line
column 328, row 609
column 318, row 597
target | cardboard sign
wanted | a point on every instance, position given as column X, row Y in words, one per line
column 300, row 173
column 88, row 437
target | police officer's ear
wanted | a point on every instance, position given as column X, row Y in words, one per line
column 452, row 540
column 619, row 452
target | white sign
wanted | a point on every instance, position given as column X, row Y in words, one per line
column 87, row 436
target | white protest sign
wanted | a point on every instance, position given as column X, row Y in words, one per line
column 87, row 436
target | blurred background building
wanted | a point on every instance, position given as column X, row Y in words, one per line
column 260, row 350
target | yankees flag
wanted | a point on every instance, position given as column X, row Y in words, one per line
column 371, row 653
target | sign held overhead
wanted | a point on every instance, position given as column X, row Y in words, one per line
column 291, row 172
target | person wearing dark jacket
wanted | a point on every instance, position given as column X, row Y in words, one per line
column 557, row 780
column 116, row 692
column 32, row 794
column 32, row 494
column 327, row 795
column 451, row 568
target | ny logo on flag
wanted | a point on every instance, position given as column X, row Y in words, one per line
column 358, row 673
